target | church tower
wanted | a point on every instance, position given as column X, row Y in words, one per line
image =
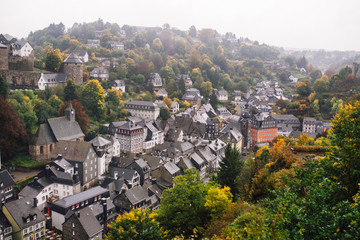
column 70, row 112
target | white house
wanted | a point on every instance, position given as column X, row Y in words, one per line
column 119, row 85
column 51, row 80
column 82, row 54
column 21, row 48
column 100, row 72
column 155, row 79
column 162, row 93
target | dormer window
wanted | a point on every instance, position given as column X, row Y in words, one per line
column 34, row 217
column 27, row 219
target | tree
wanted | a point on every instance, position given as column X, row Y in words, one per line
column 113, row 97
column 137, row 225
column 140, row 79
column 303, row 88
column 131, row 66
column 164, row 113
column 192, row 31
column 70, row 90
column 93, row 98
column 167, row 101
column 12, row 132
column 206, row 88
column 4, row 88
column 80, row 115
column 157, row 45
column 43, row 110
column 55, row 103
column 53, row 60
column 144, row 69
column 315, row 74
column 213, row 101
column 194, row 59
column 206, row 35
column 182, row 86
column 230, row 169
column 321, row 86
column 302, row 62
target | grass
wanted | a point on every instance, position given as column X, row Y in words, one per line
column 40, row 70
column 23, row 182
column 27, row 162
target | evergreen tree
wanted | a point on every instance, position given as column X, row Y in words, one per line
column 230, row 169
column 182, row 85
column 213, row 101
column 4, row 88
column 69, row 90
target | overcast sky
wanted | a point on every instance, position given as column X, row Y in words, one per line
column 311, row 24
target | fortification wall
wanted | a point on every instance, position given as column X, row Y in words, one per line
column 22, row 63
column 4, row 62
column 21, row 79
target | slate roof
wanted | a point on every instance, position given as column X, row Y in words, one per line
column 100, row 141
column 6, row 179
column 155, row 190
column 89, row 222
column 142, row 163
column 43, row 136
column 85, row 195
column 73, row 58
column 80, row 53
column 197, row 159
column 136, row 194
column 2, row 45
column 99, row 70
column 18, row 44
column 188, row 163
column 119, row 83
column 29, row 191
column 162, row 92
column 153, row 161
column 206, row 153
column 54, row 77
column 22, row 208
column 171, row 168
column 236, row 93
column 72, row 151
column 63, row 164
column 64, row 129
column 125, row 173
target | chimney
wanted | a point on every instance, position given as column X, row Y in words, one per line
column 35, row 202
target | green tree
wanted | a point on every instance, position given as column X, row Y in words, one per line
column 315, row 74
column 4, row 88
column 230, row 169
column 43, row 110
column 93, row 98
column 136, row 225
column 182, row 86
column 140, row 79
column 164, row 113
column 70, row 90
column 113, row 97
column 157, row 45
column 53, row 60
column 303, row 88
column 321, row 86
column 213, row 101
column 55, row 103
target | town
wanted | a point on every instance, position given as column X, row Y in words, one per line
column 154, row 132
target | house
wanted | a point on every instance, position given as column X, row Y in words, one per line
column 263, row 128
column 89, row 222
column 55, row 129
column 223, row 113
column 232, row 136
column 50, row 184
column 130, row 176
column 115, row 45
column 174, row 107
column 208, row 109
column 288, row 120
column 167, row 173
column 103, row 149
column 212, row 128
column 119, row 85
column 155, row 80
column 217, row 147
column 309, row 126
column 153, row 135
column 114, row 186
column 26, row 220
column 83, row 157
column 51, row 80
column 6, row 186
column 192, row 96
column 82, row 54
column 101, row 73
column 236, row 96
column 136, row 197
column 186, row 78
column 63, row 207
column 143, row 109
column 222, row 95
column 199, row 163
column 210, row 158
column 129, row 134
column 98, row 33
column 93, row 43
column 154, row 191
column 5, row 228
column 162, row 93
column 21, row 48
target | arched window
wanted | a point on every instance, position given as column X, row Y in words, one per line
column 41, row 149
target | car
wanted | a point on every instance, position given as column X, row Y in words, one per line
column 244, row 154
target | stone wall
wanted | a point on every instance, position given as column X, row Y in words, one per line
column 74, row 71
column 22, row 63
column 4, row 62
column 34, row 151
column 355, row 70
column 21, row 79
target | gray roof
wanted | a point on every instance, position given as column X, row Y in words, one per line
column 29, row 191
column 284, row 117
column 142, row 163
column 236, row 93
column 171, row 168
column 18, row 44
column 2, row 45
column 63, row 164
column 72, row 150
column 136, row 194
column 100, row 141
column 99, row 70
column 5, row 179
column 156, row 190
column 188, row 163
column 162, row 91
column 222, row 92
column 206, row 153
column 119, row 83
column 54, row 77
column 73, row 58
column 197, row 159
column 43, row 136
column 71, row 200
column 141, row 103
column 125, row 173
column 22, row 208
column 64, row 129
column 80, row 53
column 89, row 222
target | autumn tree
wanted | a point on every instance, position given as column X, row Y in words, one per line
column 53, row 60
column 206, row 88
column 194, row 59
column 167, row 101
column 113, row 97
column 206, row 35
column 144, row 69
column 12, row 132
column 230, row 168
column 136, row 225
column 157, row 45
column 192, row 31
column 93, row 98
column 303, row 88
column 80, row 115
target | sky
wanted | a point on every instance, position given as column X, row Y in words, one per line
column 301, row 24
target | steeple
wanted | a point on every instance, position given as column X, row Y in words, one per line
column 70, row 112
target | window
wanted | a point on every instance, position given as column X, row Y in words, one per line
column 41, row 149
column 73, row 233
column 34, row 218
column 73, row 225
column 31, row 229
column 25, row 231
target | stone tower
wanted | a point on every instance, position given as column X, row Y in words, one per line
column 70, row 112
column 4, row 61
column 73, row 68
column 355, row 70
